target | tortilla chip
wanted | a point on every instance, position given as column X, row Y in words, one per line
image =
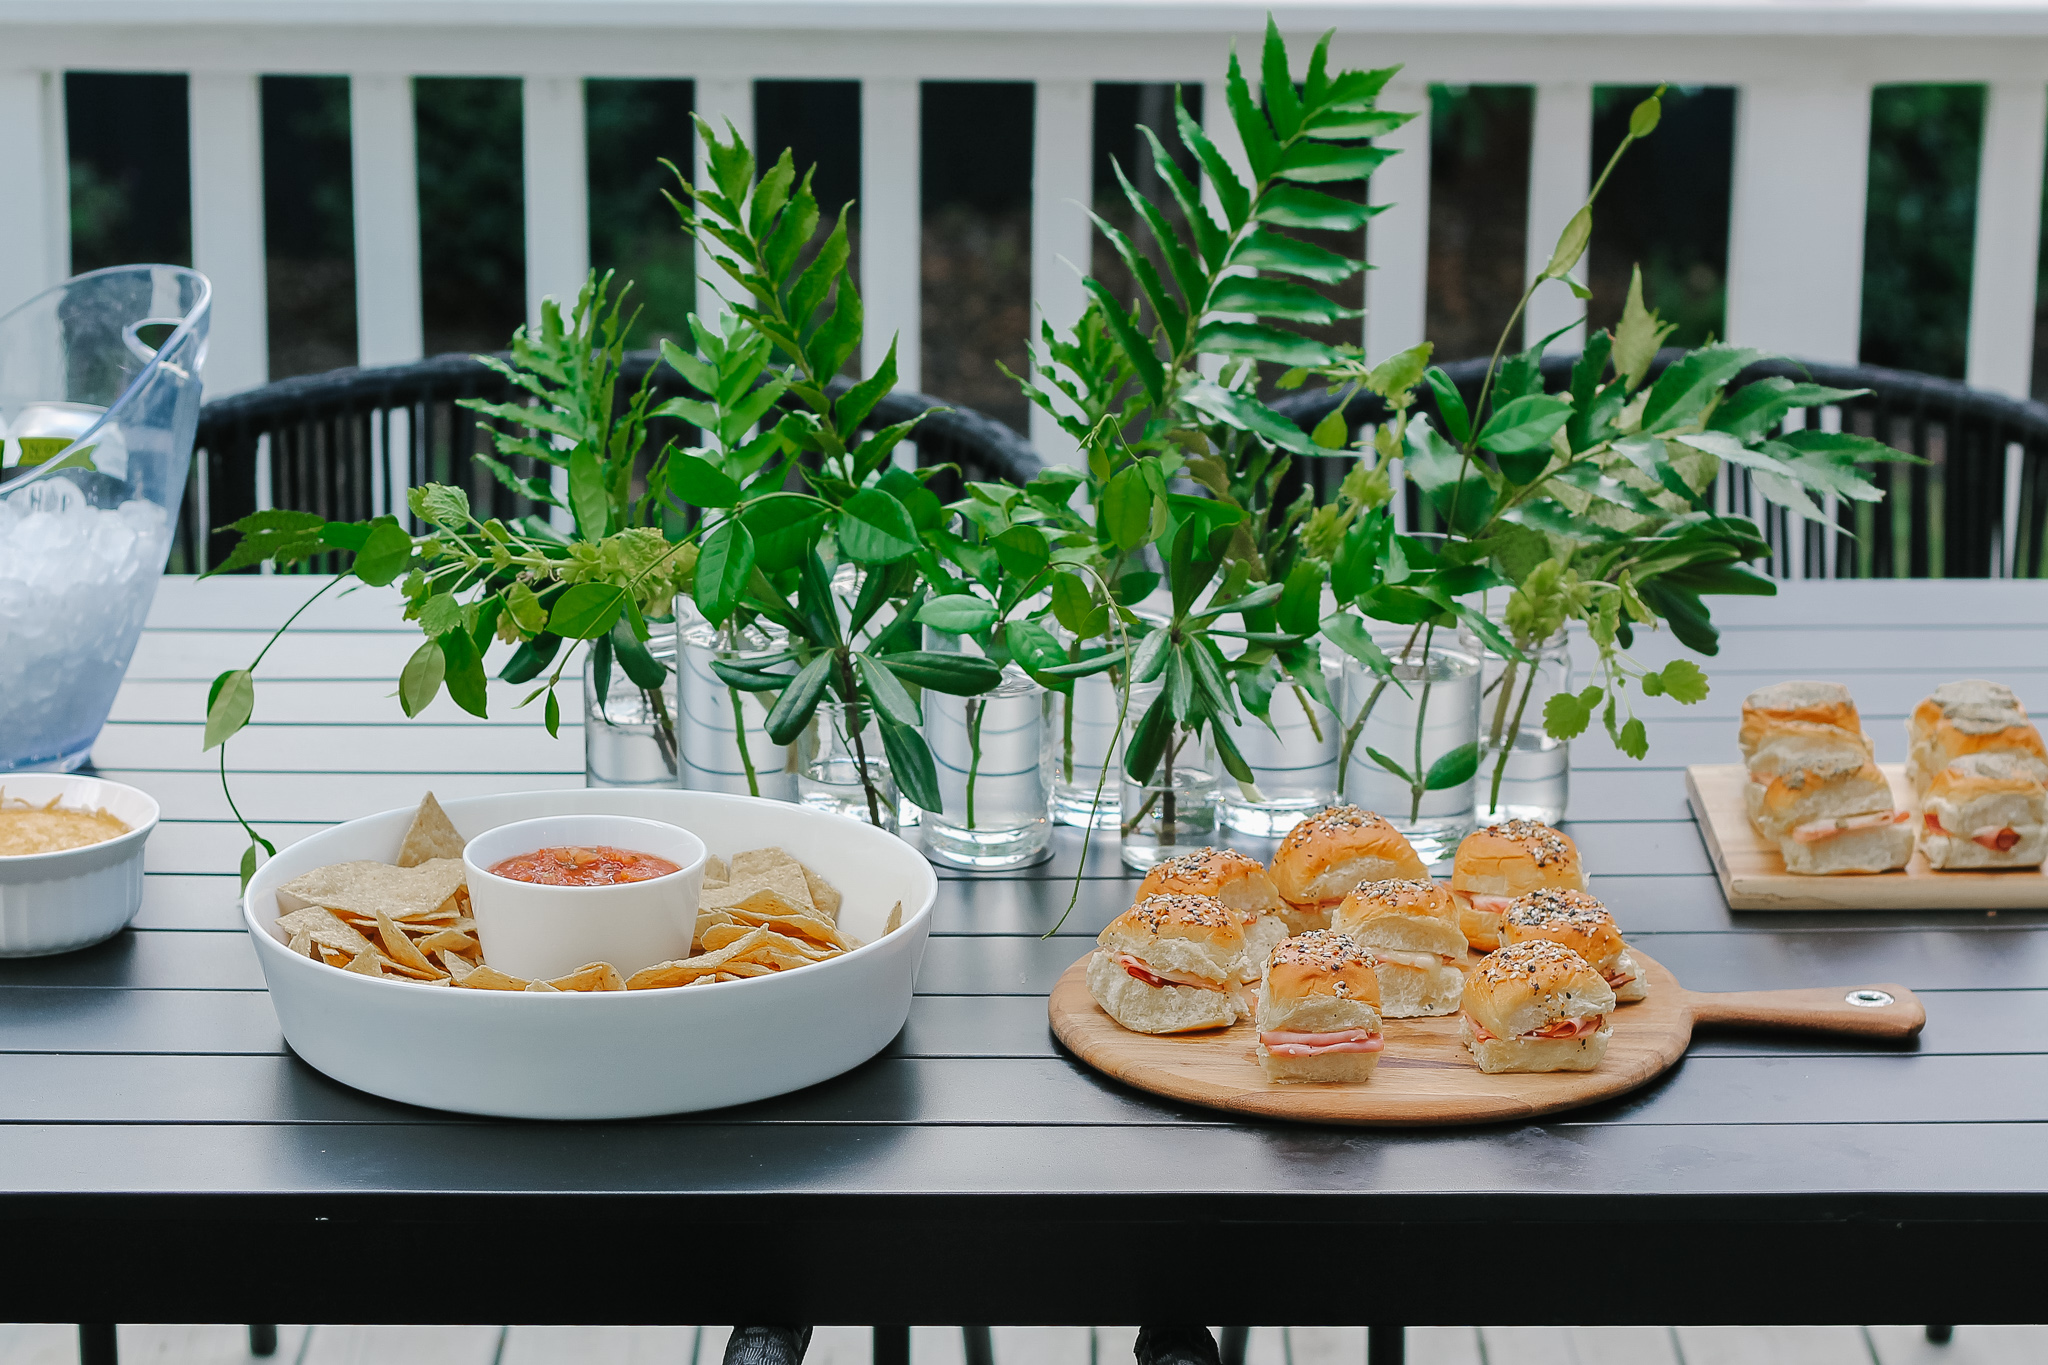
column 543, row 986
column 718, row 935
column 491, row 979
column 808, row 926
column 895, row 920
column 458, row 966
column 448, row 940
column 595, row 976
column 715, row 871
column 366, row 962
column 663, row 974
column 409, row 973
column 705, row 919
column 363, row 888
column 400, row 949
column 302, row 944
column 438, row 981
column 433, row 835
column 824, row 895
column 324, row 929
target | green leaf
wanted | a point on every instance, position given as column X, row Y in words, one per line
column 1642, row 120
column 228, row 705
column 420, row 680
column 385, row 553
column 890, row 698
column 440, row 614
column 285, row 519
column 1400, row 372
column 1681, row 393
column 1231, row 194
column 1293, row 206
column 1301, row 600
column 1136, row 348
column 1333, row 432
column 957, row 613
column 1206, row 668
column 588, row 501
column 1451, row 404
column 1127, row 509
column 1637, row 336
column 1321, row 162
column 532, row 657
column 1248, row 414
column 1265, row 249
column 1227, row 751
column 1525, row 425
column 1149, row 658
column 1390, row 765
column 642, row 668
column 248, row 865
column 440, row 504
column 910, row 761
column 464, row 672
column 874, row 528
column 783, row 529
column 1756, row 407
column 1349, row 634
column 1571, row 243
column 1565, row 716
column 1844, row 445
column 1076, row 607
column 601, row 668
column 586, row 610
column 696, row 482
column 1022, row 551
column 792, row 710
column 1271, row 298
column 1684, row 681
column 1633, row 740
column 725, row 565
column 1454, row 769
column 1262, row 341
column 957, row 675
column 1147, row 744
column 551, row 715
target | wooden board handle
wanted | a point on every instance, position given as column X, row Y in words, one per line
column 1885, row 1011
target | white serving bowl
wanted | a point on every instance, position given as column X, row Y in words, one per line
column 535, row 931
column 75, row 897
column 610, row 1054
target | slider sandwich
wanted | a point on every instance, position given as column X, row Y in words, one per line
column 1242, row 884
column 1985, row 810
column 1968, row 718
column 1411, row 928
column 1788, row 746
column 1579, row 922
column 1837, row 816
column 1496, row 864
column 1329, row 853
column 1317, row 1013
column 1170, row 964
column 1537, row 1006
column 1811, row 703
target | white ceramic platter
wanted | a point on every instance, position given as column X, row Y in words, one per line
column 612, row 1054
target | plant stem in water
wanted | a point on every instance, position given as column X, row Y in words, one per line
column 1166, row 810
column 664, row 725
column 1500, row 768
column 854, row 723
column 1351, row 735
column 975, row 711
column 1315, row 726
column 739, row 733
column 1421, row 717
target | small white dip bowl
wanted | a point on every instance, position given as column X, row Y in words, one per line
column 537, row 932
column 75, row 897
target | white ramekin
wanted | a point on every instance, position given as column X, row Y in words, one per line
column 56, row 902
column 535, row 931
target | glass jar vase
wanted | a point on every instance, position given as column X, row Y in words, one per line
column 721, row 731
column 1423, row 720
column 1294, row 763
column 1524, row 774
column 844, row 771
column 994, row 770
column 1173, row 811
column 629, row 733
column 1082, row 746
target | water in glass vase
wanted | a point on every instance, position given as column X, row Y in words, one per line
column 993, row 765
column 1173, row 811
column 629, row 734
column 1081, row 731
column 829, row 760
column 1534, row 781
column 1416, row 721
column 722, row 731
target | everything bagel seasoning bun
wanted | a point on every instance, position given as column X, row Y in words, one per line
column 1328, row 854
column 1170, row 964
column 1242, row 884
column 1969, row 717
column 1496, row 864
column 1536, row 1006
column 1411, row 929
column 1317, row 1012
column 1581, row 923
column 1985, row 810
column 1822, row 703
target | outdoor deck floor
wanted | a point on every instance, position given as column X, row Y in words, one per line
column 57, row 1344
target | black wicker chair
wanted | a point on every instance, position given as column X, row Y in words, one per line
column 1977, row 509
column 332, row 439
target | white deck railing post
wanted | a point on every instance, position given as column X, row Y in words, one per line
column 1795, row 224
column 1560, row 173
column 891, row 218
column 226, row 123
column 1397, row 241
column 35, row 239
column 1062, row 184
column 720, row 100
column 557, row 191
column 390, row 329
column 2004, row 265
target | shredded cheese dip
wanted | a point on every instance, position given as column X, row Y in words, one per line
column 26, row 828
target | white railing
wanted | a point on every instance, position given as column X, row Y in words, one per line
column 1804, row 69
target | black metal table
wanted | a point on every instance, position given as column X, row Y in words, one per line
column 164, row 1158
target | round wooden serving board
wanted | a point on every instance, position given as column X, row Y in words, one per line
column 1426, row 1077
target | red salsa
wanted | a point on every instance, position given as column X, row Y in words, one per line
column 595, row 865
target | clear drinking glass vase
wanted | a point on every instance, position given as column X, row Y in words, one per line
column 721, row 731
column 1174, row 811
column 629, row 733
column 994, row 771
column 830, row 758
column 99, row 400
column 1081, row 738
column 1524, row 774
column 1294, row 764
column 1424, row 721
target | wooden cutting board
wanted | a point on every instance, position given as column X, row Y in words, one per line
column 1753, row 875
column 1426, row 1078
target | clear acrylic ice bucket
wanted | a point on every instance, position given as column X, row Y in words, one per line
column 99, row 401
